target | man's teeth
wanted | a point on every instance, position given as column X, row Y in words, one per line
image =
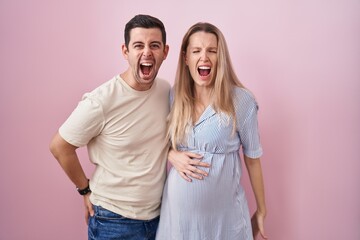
column 147, row 64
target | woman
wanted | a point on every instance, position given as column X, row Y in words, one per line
column 212, row 115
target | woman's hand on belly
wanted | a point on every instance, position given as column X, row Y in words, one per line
column 187, row 163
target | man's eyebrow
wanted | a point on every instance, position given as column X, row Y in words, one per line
column 158, row 42
column 138, row 42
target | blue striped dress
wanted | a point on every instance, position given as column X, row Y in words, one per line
column 214, row 208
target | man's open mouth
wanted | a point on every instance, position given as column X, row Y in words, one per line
column 146, row 68
column 204, row 70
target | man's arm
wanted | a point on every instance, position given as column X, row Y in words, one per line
column 65, row 154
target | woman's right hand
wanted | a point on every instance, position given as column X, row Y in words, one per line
column 186, row 164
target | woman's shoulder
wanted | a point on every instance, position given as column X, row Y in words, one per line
column 243, row 95
column 245, row 104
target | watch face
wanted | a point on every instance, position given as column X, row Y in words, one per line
column 84, row 191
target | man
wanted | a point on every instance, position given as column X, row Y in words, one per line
column 123, row 125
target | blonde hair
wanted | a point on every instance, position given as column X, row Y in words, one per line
column 181, row 114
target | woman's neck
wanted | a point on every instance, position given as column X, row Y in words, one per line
column 201, row 102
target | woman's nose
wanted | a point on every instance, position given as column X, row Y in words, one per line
column 204, row 56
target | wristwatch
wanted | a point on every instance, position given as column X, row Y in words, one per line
column 84, row 191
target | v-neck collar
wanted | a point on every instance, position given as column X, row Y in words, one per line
column 208, row 112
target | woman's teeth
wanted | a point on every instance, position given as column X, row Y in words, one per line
column 204, row 70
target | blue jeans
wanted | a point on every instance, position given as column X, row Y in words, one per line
column 106, row 225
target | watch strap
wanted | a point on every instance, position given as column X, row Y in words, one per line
column 84, row 191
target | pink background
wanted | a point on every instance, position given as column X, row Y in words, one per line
column 300, row 58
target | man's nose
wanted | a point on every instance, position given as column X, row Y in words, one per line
column 147, row 52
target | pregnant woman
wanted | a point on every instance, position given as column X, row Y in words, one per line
column 212, row 116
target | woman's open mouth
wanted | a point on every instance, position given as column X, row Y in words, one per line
column 204, row 70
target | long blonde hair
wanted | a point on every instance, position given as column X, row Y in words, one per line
column 181, row 114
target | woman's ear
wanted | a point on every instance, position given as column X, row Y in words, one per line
column 185, row 58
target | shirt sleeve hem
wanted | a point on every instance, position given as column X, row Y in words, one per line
column 254, row 153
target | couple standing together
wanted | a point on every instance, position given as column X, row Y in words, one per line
column 134, row 122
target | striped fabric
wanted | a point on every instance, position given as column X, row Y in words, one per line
column 214, row 208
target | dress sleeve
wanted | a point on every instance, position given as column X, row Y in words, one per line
column 84, row 123
column 247, row 124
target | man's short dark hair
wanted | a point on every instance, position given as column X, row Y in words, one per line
column 143, row 21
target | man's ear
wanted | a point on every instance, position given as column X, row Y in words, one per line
column 124, row 51
column 166, row 51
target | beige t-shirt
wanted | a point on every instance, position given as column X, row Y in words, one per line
column 125, row 133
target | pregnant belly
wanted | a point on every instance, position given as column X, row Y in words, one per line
column 216, row 191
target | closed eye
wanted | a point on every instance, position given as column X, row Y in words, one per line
column 213, row 50
column 138, row 46
column 155, row 46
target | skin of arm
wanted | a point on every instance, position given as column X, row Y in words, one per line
column 186, row 164
column 253, row 166
column 66, row 155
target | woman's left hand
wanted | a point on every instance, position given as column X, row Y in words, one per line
column 257, row 223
